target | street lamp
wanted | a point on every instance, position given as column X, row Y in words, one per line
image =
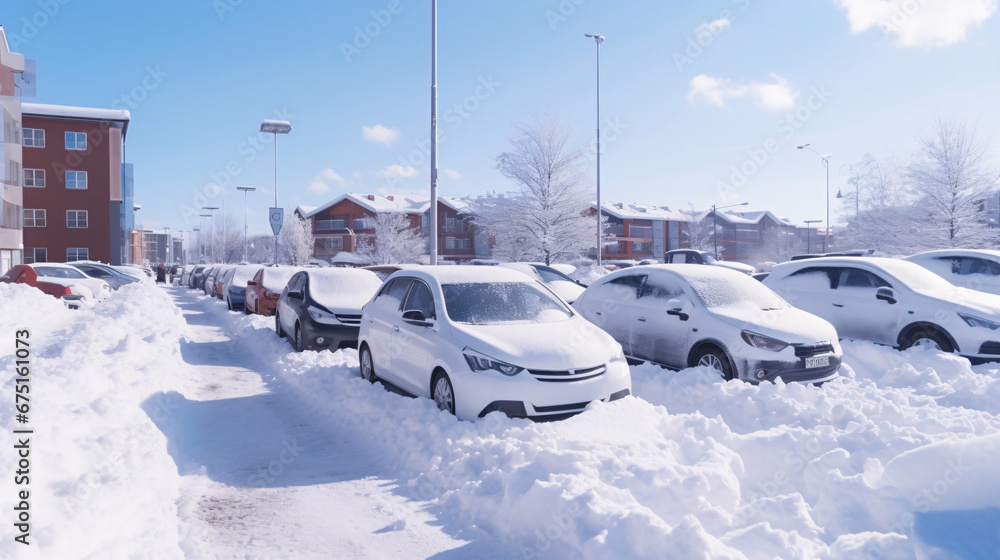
column 211, row 234
column 276, row 128
column 245, row 191
column 808, row 235
column 598, row 39
column 826, row 163
column 715, row 226
column 166, row 231
column 433, row 215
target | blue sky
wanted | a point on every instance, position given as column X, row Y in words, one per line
column 354, row 80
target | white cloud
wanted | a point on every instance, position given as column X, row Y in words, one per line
column 918, row 23
column 776, row 96
column 380, row 134
column 318, row 187
column 401, row 171
column 713, row 27
column 321, row 183
column 451, row 173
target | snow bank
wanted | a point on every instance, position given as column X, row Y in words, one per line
column 102, row 483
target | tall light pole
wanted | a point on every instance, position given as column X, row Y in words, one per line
column 715, row 226
column 598, row 39
column 276, row 128
column 808, row 234
column 826, row 163
column 245, row 191
column 170, row 244
column 433, row 217
column 211, row 234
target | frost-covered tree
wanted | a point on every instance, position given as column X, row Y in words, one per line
column 295, row 241
column 951, row 178
column 261, row 249
column 880, row 214
column 548, row 218
column 394, row 241
column 509, row 241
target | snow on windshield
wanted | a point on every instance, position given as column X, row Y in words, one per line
column 342, row 288
column 275, row 278
column 491, row 303
column 719, row 287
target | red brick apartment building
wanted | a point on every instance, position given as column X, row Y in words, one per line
column 638, row 231
column 75, row 196
column 11, row 68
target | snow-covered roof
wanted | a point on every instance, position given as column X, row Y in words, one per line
column 77, row 113
column 305, row 210
column 735, row 217
column 640, row 211
column 378, row 203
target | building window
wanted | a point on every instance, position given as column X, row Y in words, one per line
column 76, row 140
column 456, row 243
column 638, row 247
column 363, row 223
column 77, row 254
column 35, row 255
column 76, row 218
column 34, row 137
column 34, row 178
column 331, row 243
column 34, row 217
column 76, row 179
column 640, row 231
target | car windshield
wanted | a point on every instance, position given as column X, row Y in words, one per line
column 735, row 291
column 58, row 272
column 551, row 275
column 494, row 303
column 709, row 259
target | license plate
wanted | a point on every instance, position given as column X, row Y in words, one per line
column 818, row 361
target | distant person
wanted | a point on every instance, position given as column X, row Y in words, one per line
column 161, row 274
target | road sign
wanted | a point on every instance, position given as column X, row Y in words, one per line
column 277, row 216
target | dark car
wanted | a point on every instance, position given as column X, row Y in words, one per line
column 114, row 278
column 234, row 285
column 321, row 307
column 197, row 277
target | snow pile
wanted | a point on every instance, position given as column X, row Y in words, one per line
column 101, row 481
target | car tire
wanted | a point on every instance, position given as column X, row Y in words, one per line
column 277, row 325
column 299, row 345
column 246, row 308
column 924, row 337
column 714, row 358
column 367, row 364
column 443, row 392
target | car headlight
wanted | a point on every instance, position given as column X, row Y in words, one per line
column 763, row 342
column 974, row 321
column 618, row 358
column 321, row 316
column 481, row 362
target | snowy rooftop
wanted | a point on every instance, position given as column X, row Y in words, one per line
column 77, row 113
column 640, row 211
column 378, row 203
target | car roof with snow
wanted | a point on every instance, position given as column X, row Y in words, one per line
column 461, row 274
column 905, row 271
column 955, row 253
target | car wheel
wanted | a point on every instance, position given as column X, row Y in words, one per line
column 443, row 393
column 930, row 338
column 716, row 359
column 246, row 308
column 367, row 365
column 277, row 325
column 299, row 345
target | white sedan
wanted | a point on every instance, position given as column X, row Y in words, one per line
column 483, row 339
column 685, row 315
column 564, row 286
column 892, row 302
column 969, row 268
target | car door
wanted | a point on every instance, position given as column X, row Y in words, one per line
column 412, row 341
column 858, row 313
column 385, row 315
column 612, row 307
column 657, row 336
column 810, row 289
column 290, row 302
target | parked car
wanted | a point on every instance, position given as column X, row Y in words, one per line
column 234, row 285
column 115, row 278
column 686, row 315
column 219, row 275
column 197, row 277
column 321, row 307
column 385, row 270
column 892, row 302
column 74, row 295
column 482, row 339
column 135, row 271
column 691, row 256
column 969, row 268
column 209, row 286
column 264, row 289
column 564, row 286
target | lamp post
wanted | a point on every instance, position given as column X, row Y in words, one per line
column 170, row 244
column 276, row 128
column 245, row 191
column 809, row 234
column 598, row 39
column 433, row 216
column 211, row 233
column 826, row 163
column 715, row 226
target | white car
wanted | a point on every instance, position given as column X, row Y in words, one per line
column 70, row 275
column 686, row 315
column 969, row 268
column 892, row 302
column 691, row 256
column 480, row 339
column 564, row 286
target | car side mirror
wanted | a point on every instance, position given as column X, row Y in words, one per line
column 417, row 318
column 676, row 308
column 251, row 283
column 295, row 294
column 885, row 294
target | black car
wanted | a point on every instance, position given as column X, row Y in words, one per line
column 114, row 278
column 321, row 307
column 197, row 277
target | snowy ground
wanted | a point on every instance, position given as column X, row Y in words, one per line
column 168, row 427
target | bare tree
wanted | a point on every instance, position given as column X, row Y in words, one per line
column 879, row 212
column 951, row 177
column 550, row 212
column 509, row 241
column 394, row 241
column 295, row 241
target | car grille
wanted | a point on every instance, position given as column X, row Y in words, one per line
column 567, row 376
column 349, row 319
column 806, row 350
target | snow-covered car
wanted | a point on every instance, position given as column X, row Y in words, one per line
column 321, row 307
column 68, row 275
column 115, row 278
column 219, row 277
column 385, row 270
column 480, row 339
column 892, row 302
column 691, row 256
column 234, row 285
column 73, row 295
column 264, row 289
column 686, row 315
column 970, row 268
column 564, row 286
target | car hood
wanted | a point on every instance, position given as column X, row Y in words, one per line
column 791, row 325
column 964, row 300
column 566, row 290
column 571, row 344
column 744, row 268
